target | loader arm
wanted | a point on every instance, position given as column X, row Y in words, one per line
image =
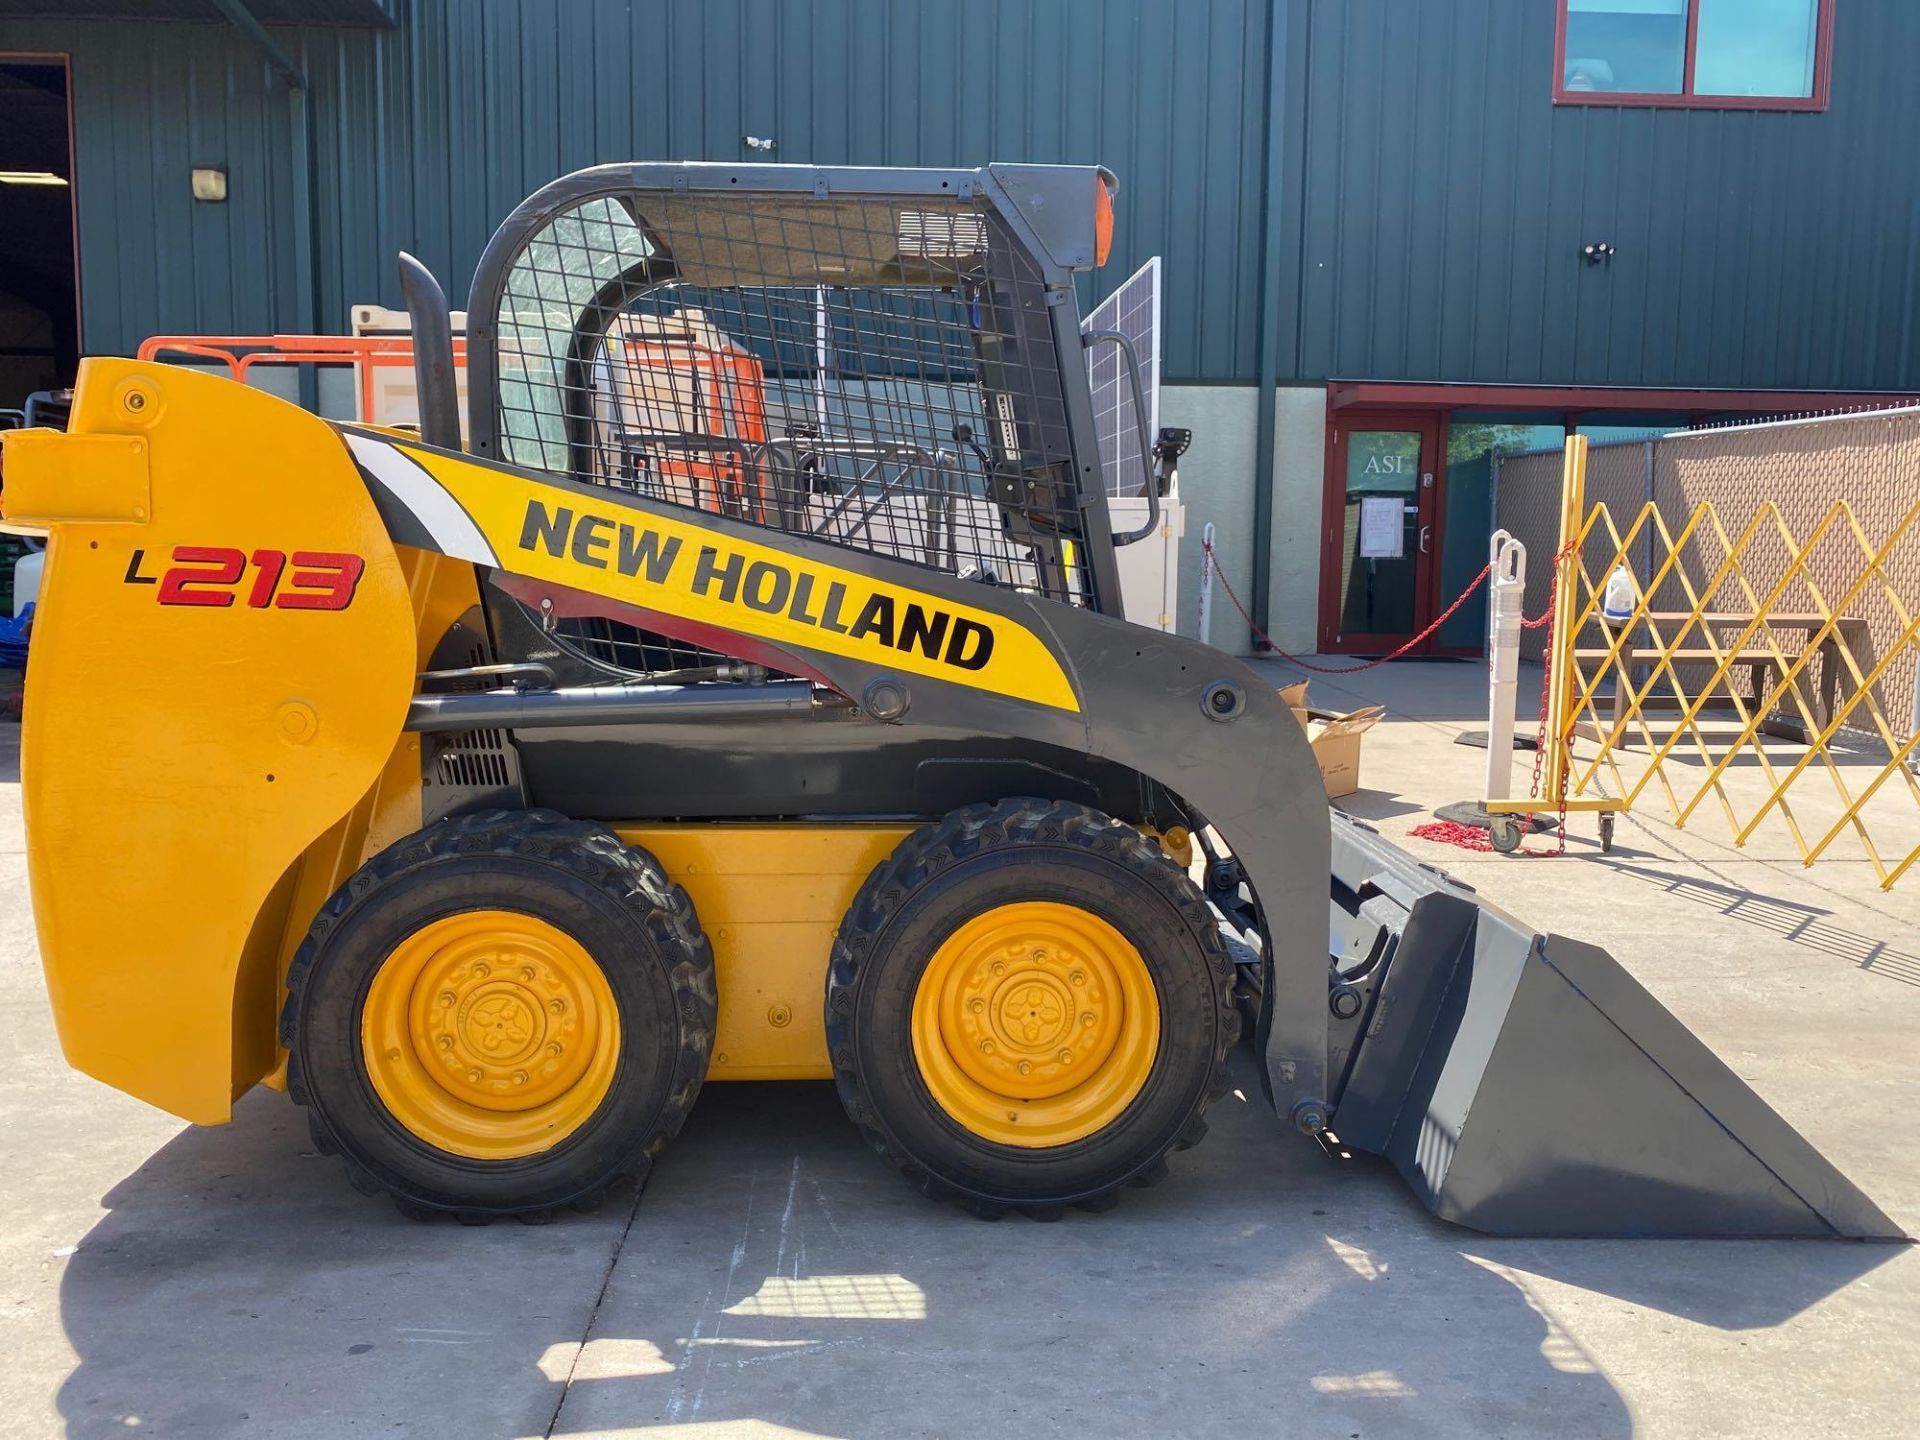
column 912, row 646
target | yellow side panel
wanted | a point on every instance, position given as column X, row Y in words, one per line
column 181, row 754
column 770, row 898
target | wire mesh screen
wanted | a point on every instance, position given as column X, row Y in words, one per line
column 878, row 373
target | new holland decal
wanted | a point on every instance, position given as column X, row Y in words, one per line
column 681, row 567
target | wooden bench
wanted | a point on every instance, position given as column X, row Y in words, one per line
column 1758, row 660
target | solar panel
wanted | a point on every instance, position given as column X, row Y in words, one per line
column 1133, row 310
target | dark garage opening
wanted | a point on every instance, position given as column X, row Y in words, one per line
column 39, row 289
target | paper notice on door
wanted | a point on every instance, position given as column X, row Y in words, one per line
column 1382, row 527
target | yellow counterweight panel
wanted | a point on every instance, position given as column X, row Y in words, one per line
column 770, row 898
column 221, row 666
column 441, row 592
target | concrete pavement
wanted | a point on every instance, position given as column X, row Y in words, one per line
column 776, row 1280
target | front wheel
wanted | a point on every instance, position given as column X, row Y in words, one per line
column 1029, row 1005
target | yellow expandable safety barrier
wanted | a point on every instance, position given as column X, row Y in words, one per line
column 1734, row 613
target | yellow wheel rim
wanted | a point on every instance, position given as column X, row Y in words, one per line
column 490, row 1034
column 1035, row 1024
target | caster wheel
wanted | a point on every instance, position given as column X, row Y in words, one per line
column 1606, row 832
column 1504, row 832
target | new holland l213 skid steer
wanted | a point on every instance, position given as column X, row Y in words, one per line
column 745, row 700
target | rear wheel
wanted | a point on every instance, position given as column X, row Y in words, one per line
column 502, row 1014
column 1029, row 1006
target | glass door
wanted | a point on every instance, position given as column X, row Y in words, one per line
column 1378, row 543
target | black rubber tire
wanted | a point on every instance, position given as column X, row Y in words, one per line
column 614, row 899
column 993, row 854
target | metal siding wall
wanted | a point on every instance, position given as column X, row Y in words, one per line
column 1445, row 200
column 1433, row 204
column 151, row 101
column 426, row 136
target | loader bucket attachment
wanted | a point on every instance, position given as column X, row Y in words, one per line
column 1527, row 1085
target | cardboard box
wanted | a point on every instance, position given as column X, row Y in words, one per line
column 1335, row 738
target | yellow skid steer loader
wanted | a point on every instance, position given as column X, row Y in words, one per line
column 748, row 699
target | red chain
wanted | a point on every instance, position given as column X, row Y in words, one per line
column 1445, row 615
column 1546, row 690
column 1546, row 677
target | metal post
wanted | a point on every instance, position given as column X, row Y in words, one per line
column 1647, row 531
column 1494, row 546
column 1284, row 50
column 1505, row 602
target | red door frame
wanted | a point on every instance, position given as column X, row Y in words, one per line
column 1431, row 423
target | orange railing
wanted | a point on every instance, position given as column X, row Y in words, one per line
column 368, row 354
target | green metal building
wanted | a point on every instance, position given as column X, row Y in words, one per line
column 1395, row 232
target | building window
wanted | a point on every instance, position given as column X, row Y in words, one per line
column 1710, row 54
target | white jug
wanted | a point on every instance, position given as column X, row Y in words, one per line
column 1616, row 607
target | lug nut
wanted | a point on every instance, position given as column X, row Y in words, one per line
column 986, row 1047
column 1066, row 1057
column 558, row 1007
column 481, row 969
column 999, row 967
column 474, row 1075
column 519, row 1077
column 445, row 1042
column 976, row 1005
column 553, row 1047
column 446, row 997
column 1025, row 1068
column 1079, row 977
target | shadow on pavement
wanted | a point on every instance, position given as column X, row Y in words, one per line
column 1799, row 924
column 777, row 1273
